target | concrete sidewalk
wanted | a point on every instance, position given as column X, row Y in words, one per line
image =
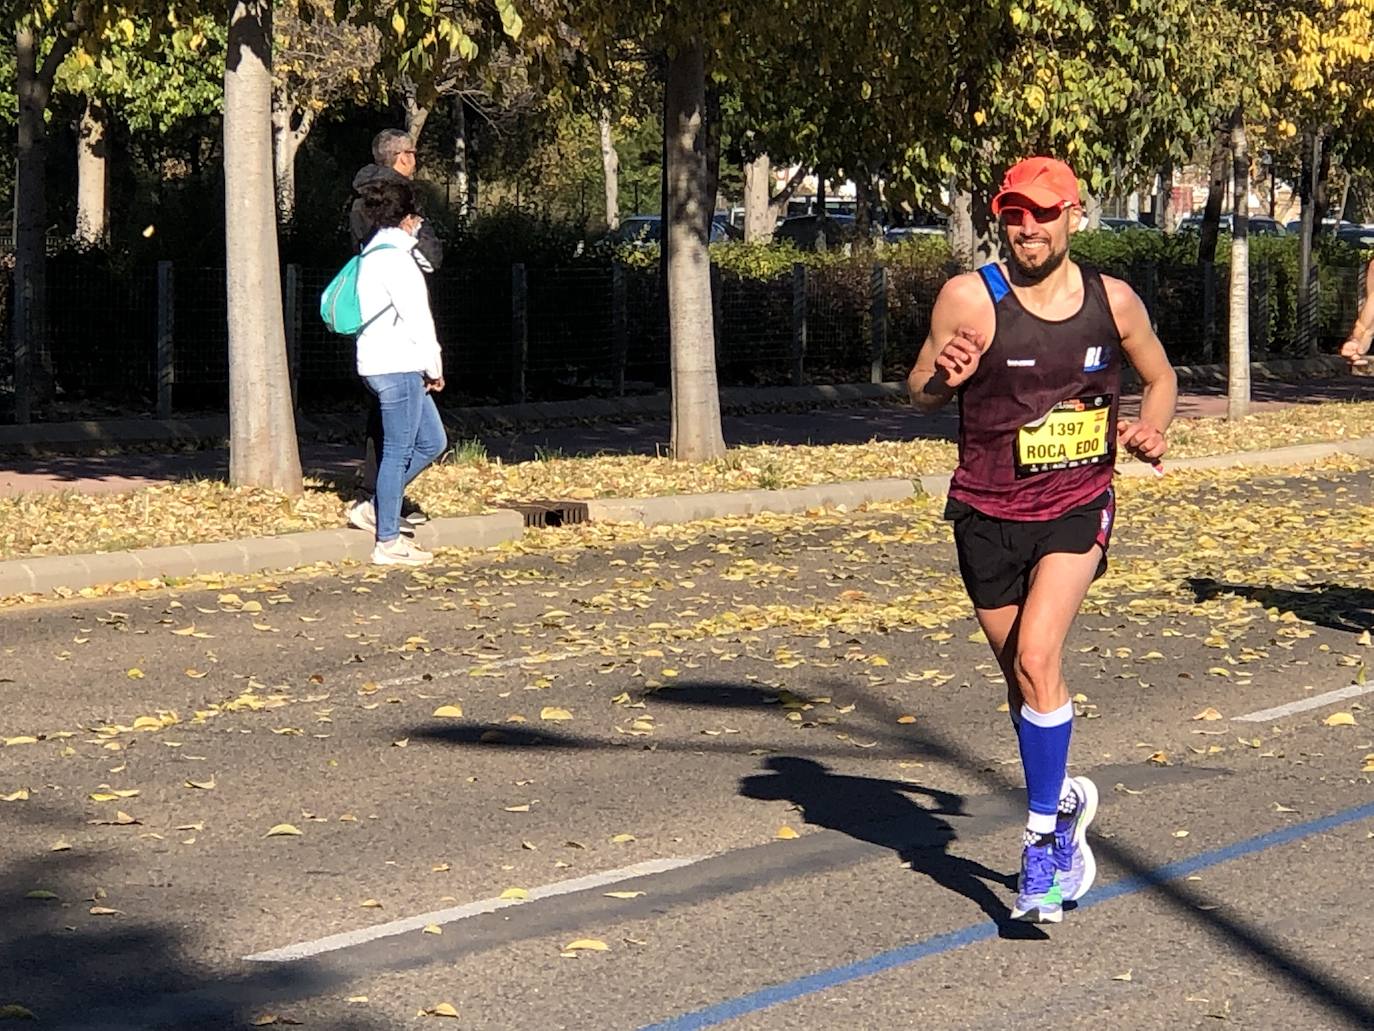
column 845, row 424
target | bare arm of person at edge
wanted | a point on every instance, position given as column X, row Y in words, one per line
column 1144, row 435
column 961, row 327
column 1357, row 346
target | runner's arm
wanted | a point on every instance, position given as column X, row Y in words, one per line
column 1143, row 437
column 959, row 333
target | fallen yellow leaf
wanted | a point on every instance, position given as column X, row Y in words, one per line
column 135, row 674
column 587, row 945
column 432, row 929
column 23, row 739
column 786, row 833
column 621, row 839
column 283, row 830
column 443, row 1009
column 203, row 785
column 22, row 795
column 554, row 714
column 449, row 712
column 370, row 904
column 1340, row 719
column 623, row 894
column 1208, row 713
column 906, row 719
column 517, row 894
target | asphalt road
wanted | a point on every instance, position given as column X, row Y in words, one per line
column 773, row 740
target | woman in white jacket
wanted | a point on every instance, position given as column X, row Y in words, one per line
column 400, row 360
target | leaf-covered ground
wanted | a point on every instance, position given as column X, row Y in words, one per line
column 195, row 511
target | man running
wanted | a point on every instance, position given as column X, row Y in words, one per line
column 1033, row 349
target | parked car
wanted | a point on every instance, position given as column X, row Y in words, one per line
column 1121, row 225
column 1359, row 236
column 896, row 234
column 642, row 230
column 804, row 230
column 1329, row 225
column 1260, row 225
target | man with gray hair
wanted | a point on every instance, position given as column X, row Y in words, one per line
column 394, row 160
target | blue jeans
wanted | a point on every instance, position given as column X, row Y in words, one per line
column 412, row 438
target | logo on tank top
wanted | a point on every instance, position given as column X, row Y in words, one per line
column 1020, row 363
column 1095, row 359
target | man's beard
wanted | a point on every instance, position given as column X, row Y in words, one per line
column 1037, row 273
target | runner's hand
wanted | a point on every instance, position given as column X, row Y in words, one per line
column 959, row 358
column 1141, row 439
column 434, row 386
column 1354, row 352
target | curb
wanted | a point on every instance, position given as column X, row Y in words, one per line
column 259, row 555
column 254, row 555
column 687, row 508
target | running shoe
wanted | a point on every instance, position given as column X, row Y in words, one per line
column 1073, row 856
column 1039, row 900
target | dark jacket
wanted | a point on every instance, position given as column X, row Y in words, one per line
column 429, row 250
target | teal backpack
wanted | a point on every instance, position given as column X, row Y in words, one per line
column 339, row 305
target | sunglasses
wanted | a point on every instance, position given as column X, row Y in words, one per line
column 1016, row 216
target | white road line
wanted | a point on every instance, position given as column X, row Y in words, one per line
column 1315, row 702
column 348, row 939
column 449, row 674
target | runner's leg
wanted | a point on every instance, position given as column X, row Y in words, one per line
column 1001, row 626
column 1058, row 584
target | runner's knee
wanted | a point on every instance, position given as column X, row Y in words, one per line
column 1037, row 673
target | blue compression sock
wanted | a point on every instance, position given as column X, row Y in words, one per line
column 1044, row 741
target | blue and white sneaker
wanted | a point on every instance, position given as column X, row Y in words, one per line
column 1039, row 899
column 1073, row 856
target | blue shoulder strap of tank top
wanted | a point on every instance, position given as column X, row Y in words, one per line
column 995, row 281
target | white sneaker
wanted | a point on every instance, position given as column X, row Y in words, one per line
column 400, row 552
column 362, row 515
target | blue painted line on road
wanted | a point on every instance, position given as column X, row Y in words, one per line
column 765, row 998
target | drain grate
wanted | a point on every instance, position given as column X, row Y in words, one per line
column 552, row 513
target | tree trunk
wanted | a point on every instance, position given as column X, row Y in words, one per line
column 1216, row 189
column 1164, row 210
column 262, row 428
column 472, row 156
column 286, row 144
column 973, row 232
column 610, row 170
column 1311, row 163
column 92, row 157
column 1238, row 350
column 863, row 198
column 758, row 209
column 29, row 318
column 697, row 435
column 1092, row 212
column 416, row 115
column 460, row 153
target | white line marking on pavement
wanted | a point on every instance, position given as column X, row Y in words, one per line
column 1315, row 702
column 448, row 674
column 348, row 939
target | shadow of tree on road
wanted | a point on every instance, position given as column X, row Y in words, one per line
column 125, row 970
column 1335, row 606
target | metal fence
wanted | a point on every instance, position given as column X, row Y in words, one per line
column 153, row 340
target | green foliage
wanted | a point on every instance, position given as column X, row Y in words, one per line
column 152, row 80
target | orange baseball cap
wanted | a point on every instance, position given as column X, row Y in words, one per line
column 1045, row 182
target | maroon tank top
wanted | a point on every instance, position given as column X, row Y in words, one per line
column 1037, row 421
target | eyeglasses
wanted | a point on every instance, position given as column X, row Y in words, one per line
column 1016, row 216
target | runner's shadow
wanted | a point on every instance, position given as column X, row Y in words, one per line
column 882, row 812
column 1330, row 605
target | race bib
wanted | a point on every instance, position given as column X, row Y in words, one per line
column 1073, row 433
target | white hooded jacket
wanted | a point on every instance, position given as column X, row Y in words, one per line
column 392, row 294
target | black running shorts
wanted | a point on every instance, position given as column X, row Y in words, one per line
column 996, row 556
